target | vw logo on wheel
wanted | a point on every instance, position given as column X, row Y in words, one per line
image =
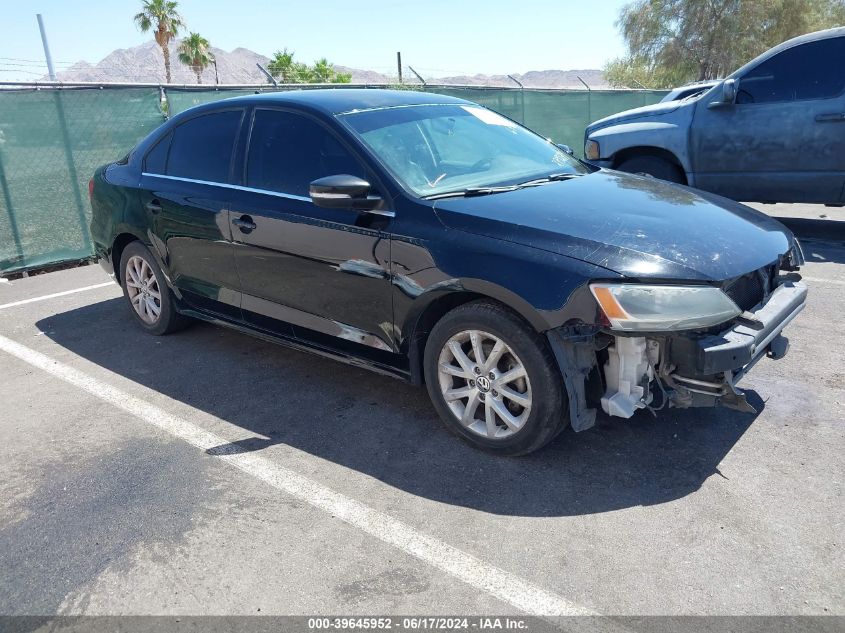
column 483, row 383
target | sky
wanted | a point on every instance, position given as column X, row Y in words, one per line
column 436, row 37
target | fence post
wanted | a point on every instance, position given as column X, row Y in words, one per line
column 589, row 101
column 71, row 167
column 13, row 223
column 521, row 95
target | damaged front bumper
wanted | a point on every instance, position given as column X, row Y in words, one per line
column 683, row 369
column 703, row 371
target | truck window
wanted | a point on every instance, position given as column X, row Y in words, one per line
column 808, row 71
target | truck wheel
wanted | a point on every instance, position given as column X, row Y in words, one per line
column 653, row 166
column 493, row 380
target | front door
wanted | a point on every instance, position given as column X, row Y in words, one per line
column 782, row 139
column 323, row 271
column 185, row 189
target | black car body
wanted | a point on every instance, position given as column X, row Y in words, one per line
column 363, row 268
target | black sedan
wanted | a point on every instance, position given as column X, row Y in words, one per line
column 431, row 239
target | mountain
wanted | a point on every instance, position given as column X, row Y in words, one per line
column 145, row 64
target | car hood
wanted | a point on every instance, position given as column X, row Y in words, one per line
column 639, row 227
column 656, row 109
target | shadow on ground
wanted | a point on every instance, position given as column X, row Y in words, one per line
column 388, row 430
column 823, row 252
column 814, row 228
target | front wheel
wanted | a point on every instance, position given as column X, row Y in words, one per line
column 654, row 166
column 493, row 380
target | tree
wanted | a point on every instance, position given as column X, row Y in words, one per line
column 671, row 42
column 164, row 19
column 285, row 69
column 324, row 73
column 193, row 52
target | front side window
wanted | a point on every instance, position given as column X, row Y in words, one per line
column 808, row 71
column 434, row 149
column 287, row 151
column 201, row 148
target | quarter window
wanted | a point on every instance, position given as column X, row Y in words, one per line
column 156, row 160
column 804, row 72
column 202, row 147
column 287, row 151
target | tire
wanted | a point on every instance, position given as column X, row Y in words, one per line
column 482, row 324
column 654, row 166
column 151, row 294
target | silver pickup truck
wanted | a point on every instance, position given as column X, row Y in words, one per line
column 773, row 131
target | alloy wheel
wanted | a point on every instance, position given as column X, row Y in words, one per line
column 484, row 384
column 143, row 289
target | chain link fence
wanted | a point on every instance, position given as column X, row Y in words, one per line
column 52, row 140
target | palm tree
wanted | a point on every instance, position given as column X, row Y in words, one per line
column 193, row 52
column 283, row 66
column 162, row 17
column 323, row 72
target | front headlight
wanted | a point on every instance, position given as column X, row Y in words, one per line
column 643, row 308
column 591, row 150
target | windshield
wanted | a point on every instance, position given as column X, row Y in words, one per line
column 434, row 149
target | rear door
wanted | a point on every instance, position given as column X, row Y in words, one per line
column 323, row 271
column 186, row 189
column 783, row 138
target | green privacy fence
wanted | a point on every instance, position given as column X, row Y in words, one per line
column 560, row 115
column 52, row 140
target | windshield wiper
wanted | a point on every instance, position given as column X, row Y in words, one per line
column 549, row 178
column 483, row 191
column 472, row 191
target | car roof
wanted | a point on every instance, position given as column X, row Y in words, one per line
column 342, row 100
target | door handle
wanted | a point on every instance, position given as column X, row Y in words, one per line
column 832, row 116
column 244, row 223
column 154, row 206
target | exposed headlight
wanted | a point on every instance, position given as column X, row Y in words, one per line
column 591, row 150
column 643, row 308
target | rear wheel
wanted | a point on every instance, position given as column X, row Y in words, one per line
column 493, row 380
column 654, row 166
column 147, row 293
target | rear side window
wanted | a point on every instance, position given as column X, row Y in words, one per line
column 809, row 71
column 202, row 147
column 156, row 160
column 287, row 151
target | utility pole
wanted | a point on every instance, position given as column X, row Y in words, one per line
column 216, row 76
column 50, row 71
column 66, row 143
column 399, row 65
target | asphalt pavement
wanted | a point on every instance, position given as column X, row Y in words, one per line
column 209, row 472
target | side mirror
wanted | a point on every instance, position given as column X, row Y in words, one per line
column 344, row 192
column 565, row 148
column 728, row 94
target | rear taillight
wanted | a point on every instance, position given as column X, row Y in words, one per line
column 90, row 188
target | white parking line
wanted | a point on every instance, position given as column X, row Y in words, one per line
column 507, row 587
column 820, row 280
column 55, row 294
